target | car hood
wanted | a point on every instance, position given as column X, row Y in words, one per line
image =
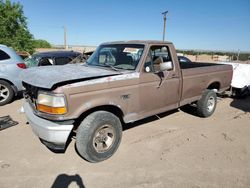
column 49, row 76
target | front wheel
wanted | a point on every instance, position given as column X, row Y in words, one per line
column 98, row 136
column 207, row 104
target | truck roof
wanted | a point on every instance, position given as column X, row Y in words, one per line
column 138, row 42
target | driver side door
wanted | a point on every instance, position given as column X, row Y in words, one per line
column 159, row 90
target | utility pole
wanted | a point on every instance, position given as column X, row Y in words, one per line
column 238, row 55
column 65, row 37
column 164, row 27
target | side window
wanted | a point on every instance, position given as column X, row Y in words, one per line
column 62, row 60
column 162, row 51
column 45, row 62
column 3, row 55
column 152, row 63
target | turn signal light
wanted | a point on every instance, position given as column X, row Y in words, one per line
column 51, row 110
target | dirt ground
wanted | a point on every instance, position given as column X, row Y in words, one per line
column 177, row 150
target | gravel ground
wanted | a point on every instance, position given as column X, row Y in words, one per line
column 177, row 150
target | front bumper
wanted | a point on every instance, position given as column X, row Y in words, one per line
column 53, row 134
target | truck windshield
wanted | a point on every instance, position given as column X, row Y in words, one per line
column 117, row 56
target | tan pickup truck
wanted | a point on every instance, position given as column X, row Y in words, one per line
column 121, row 82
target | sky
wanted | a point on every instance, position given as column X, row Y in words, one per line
column 191, row 24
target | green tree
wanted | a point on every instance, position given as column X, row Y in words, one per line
column 13, row 27
column 41, row 44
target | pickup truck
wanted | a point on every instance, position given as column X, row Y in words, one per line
column 121, row 82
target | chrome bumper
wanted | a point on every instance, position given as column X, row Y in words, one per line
column 53, row 134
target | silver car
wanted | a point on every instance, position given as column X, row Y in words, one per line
column 11, row 65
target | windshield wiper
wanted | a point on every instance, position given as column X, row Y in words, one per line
column 103, row 65
column 111, row 66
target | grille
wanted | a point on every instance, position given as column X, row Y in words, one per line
column 30, row 92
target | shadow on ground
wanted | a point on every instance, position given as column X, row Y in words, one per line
column 241, row 104
column 64, row 180
column 148, row 120
column 18, row 97
column 189, row 109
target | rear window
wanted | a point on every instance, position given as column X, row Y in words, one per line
column 3, row 55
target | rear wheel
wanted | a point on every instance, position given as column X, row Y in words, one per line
column 207, row 104
column 98, row 136
column 6, row 92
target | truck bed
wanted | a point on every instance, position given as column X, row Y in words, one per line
column 188, row 65
column 198, row 76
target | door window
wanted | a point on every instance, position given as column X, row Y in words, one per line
column 152, row 63
column 3, row 55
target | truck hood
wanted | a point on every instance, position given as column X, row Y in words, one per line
column 49, row 76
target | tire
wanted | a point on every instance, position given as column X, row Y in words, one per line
column 207, row 104
column 98, row 136
column 6, row 92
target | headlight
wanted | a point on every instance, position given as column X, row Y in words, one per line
column 51, row 104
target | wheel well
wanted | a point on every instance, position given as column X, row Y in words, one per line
column 13, row 86
column 7, row 81
column 214, row 85
column 109, row 108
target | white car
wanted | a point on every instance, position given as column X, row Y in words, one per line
column 241, row 78
column 11, row 65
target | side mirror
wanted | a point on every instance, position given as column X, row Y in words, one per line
column 160, row 65
column 165, row 66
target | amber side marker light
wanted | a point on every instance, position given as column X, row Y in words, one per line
column 51, row 110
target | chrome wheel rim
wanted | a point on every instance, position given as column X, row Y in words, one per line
column 4, row 93
column 210, row 104
column 104, row 138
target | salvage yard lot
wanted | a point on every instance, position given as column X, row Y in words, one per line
column 178, row 150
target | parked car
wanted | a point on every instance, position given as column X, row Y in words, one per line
column 240, row 86
column 81, row 58
column 183, row 59
column 121, row 82
column 11, row 65
column 51, row 58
